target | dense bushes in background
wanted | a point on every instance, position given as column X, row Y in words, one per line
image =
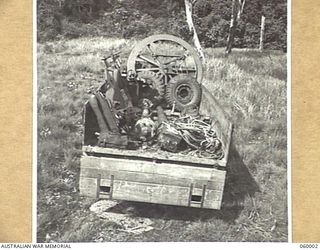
column 139, row 18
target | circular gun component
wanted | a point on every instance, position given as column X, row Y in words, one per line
column 154, row 87
column 166, row 54
column 183, row 93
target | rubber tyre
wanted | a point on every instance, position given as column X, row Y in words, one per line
column 183, row 91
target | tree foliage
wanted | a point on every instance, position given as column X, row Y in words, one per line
column 137, row 18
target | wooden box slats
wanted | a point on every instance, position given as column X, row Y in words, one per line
column 153, row 156
column 92, row 164
column 221, row 122
column 162, row 183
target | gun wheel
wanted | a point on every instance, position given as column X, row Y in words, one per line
column 166, row 54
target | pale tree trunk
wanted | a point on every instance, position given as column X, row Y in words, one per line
column 263, row 20
column 232, row 28
column 237, row 10
column 196, row 42
column 241, row 7
column 60, row 3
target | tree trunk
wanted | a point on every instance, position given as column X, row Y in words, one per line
column 263, row 19
column 241, row 7
column 196, row 42
column 233, row 24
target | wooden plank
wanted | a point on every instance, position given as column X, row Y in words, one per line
column 179, row 171
column 98, row 185
column 213, row 205
column 204, row 189
column 190, row 194
column 154, row 156
column 153, row 193
column 103, row 182
column 197, row 191
column 195, row 204
column 104, row 196
column 228, row 143
column 111, row 186
column 213, row 199
column 88, row 186
column 214, row 183
column 210, row 107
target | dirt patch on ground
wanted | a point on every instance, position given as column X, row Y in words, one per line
column 126, row 222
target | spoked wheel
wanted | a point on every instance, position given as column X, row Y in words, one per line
column 165, row 54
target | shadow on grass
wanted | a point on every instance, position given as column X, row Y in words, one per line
column 239, row 185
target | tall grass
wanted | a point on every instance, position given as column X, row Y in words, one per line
column 251, row 86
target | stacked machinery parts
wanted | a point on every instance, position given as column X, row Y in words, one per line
column 163, row 73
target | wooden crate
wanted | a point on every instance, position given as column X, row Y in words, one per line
column 164, row 178
column 150, row 180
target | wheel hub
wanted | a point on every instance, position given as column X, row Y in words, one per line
column 184, row 94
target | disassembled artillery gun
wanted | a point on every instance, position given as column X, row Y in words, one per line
column 152, row 132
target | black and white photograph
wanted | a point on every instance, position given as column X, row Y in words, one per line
column 162, row 121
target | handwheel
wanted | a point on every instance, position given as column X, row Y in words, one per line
column 166, row 54
column 153, row 87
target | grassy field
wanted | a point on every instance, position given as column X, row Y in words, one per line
column 251, row 86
